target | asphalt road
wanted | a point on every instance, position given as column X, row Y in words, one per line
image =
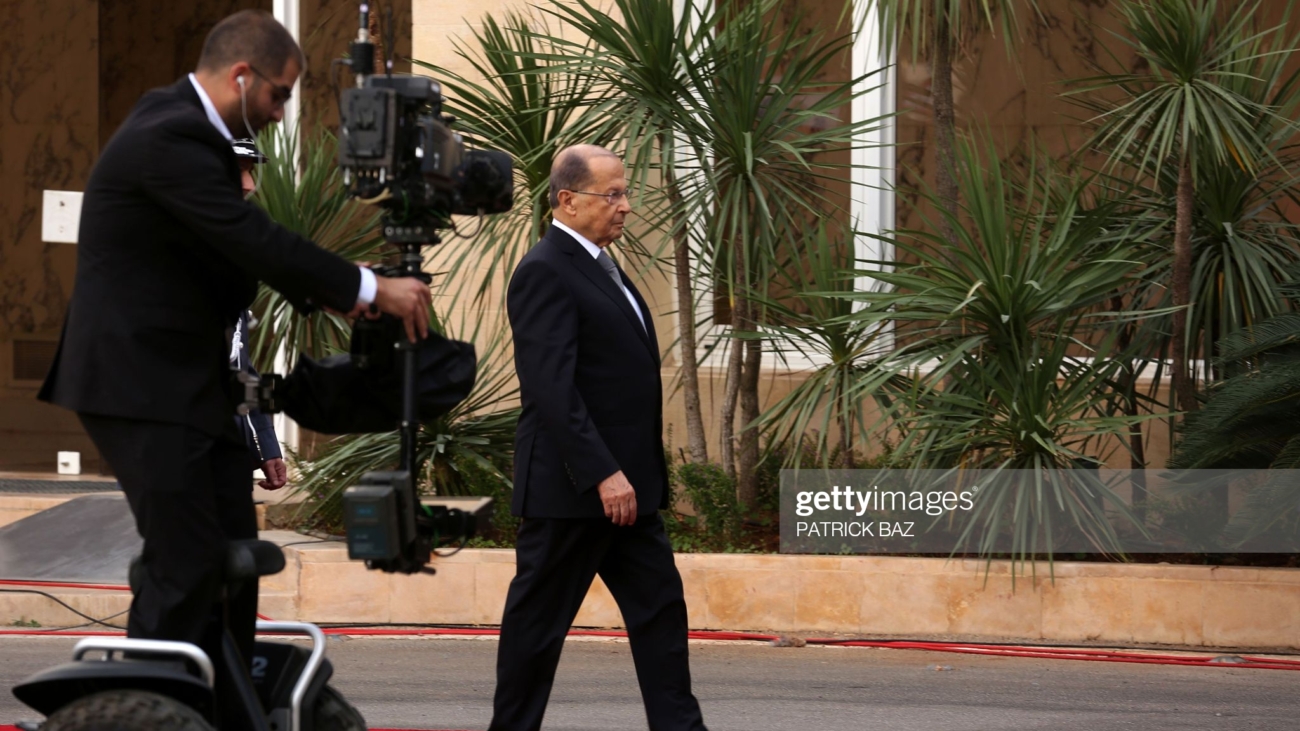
column 448, row 684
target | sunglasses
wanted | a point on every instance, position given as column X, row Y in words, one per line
column 280, row 93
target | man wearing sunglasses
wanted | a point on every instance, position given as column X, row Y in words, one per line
column 170, row 254
column 590, row 476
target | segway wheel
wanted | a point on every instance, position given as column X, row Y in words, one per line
column 126, row 710
column 332, row 712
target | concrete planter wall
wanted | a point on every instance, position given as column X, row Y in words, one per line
column 1184, row 605
column 815, row 595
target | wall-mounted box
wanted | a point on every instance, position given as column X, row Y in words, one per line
column 60, row 216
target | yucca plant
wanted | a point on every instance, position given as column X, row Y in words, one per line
column 308, row 198
column 1243, row 244
column 771, row 120
column 1008, row 354
column 812, row 323
column 1195, row 109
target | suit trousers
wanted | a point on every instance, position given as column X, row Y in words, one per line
column 190, row 494
column 556, row 560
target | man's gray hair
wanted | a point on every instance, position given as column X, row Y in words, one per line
column 572, row 169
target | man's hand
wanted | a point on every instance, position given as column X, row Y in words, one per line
column 619, row 499
column 407, row 299
column 276, row 474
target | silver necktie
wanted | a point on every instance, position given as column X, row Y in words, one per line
column 610, row 268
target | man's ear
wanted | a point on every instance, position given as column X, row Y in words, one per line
column 240, row 70
column 565, row 199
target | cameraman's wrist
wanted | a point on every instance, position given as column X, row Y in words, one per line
column 369, row 287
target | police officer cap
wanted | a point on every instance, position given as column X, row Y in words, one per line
column 246, row 149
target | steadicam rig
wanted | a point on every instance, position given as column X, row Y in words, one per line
column 398, row 151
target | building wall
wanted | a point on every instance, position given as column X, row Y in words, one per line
column 49, row 137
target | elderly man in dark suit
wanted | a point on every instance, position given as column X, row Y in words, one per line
column 169, row 255
column 590, row 473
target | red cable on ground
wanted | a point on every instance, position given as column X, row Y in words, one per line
column 990, row 650
column 64, row 585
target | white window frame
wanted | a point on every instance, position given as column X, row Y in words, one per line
column 288, row 13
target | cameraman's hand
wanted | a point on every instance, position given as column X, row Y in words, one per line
column 276, row 474
column 408, row 299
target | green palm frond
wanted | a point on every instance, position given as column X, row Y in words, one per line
column 1008, row 354
column 1190, row 105
column 311, row 201
column 1249, row 422
column 814, row 322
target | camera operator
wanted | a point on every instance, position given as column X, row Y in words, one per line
column 258, row 431
column 169, row 255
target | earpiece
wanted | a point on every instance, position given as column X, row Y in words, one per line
column 240, row 80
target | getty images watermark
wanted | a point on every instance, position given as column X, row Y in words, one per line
column 1058, row 511
column 873, row 501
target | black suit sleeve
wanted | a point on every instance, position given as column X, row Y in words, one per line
column 544, row 320
column 188, row 177
column 267, row 445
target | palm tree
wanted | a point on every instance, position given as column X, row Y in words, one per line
column 937, row 30
column 1014, row 359
column 1188, row 110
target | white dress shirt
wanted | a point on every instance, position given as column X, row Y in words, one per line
column 366, row 294
column 595, row 252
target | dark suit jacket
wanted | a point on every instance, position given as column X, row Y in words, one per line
column 169, row 255
column 589, row 384
column 256, row 427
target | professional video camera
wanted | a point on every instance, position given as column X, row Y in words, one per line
column 397, row 150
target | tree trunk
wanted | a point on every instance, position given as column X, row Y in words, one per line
column 846, row 436
column 945, row 125
column 1137, row 449
column 735, row 365
column 727, row 425
column 747, row 469
column 1184, row 384
column 696, row 445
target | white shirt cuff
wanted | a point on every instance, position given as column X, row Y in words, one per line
column 369, row 285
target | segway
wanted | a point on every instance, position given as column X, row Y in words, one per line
column 121, row 683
